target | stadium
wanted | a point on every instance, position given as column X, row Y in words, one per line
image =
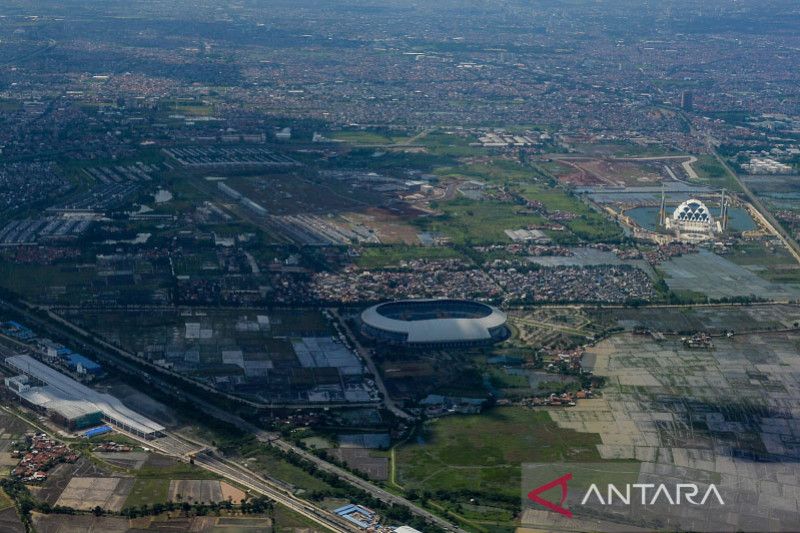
column 435, row 323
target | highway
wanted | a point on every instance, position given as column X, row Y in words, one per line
column 367, row 357
column 776, row 227
column 180, row 447
column 207, row 459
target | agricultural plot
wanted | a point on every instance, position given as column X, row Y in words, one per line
column 203, row 490
column 86, row 493
column 54, row 523
column 715, row 320
column 729, row 411
column 10, row 521
column 716, row 277
column 479, row 222
column 613, row 172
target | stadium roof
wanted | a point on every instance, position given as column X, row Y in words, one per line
column 437, row 330
column 77, row 398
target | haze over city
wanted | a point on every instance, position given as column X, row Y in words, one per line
column 467, row 266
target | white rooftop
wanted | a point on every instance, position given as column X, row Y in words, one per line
column 75, row 397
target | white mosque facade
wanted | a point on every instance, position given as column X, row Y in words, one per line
column 692, row 221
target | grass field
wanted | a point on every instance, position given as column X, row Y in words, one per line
column 440, row 143
column 270, row 464
column 5, row 501
column 590, row 226
column 463, row 452
column 148, row 492
column 287, row 521
column 40, row 282
column 496, row 172
column 478, row 222
column 362, row 137
column 713, row 173
column 388, row 256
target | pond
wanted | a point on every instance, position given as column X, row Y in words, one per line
column 647, row 217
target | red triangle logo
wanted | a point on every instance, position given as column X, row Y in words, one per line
column 562, row 481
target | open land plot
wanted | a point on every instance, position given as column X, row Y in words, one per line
column 588, row 224
column 389, row 227
column 55, row 283
column 462, row 453
column 86, row 493
column 58, row 523
column 624, row 149
column 230, row 524
column 127, row 460
column 200, row 490
column 364, row 460
column 770, row 186
column 269, row 464
column 363, row 137
column 138, row 331
column 10, row 521
column 59, row 478
column 495, row 172
column 717, row 277
column 443, row 144
column 621, row 173
column 773, row 263
column 252, row 346
column 5, row 501
column 148, row 492
column 712, row 173
column 478, row 222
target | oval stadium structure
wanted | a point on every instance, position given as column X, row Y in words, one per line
column 435, row 323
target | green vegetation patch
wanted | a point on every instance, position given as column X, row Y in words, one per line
column 496, row 172
column 148, row 492
column 479, row 222
column 710, row 171
column 463, row 453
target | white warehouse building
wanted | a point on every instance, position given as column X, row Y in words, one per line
column 68, row 398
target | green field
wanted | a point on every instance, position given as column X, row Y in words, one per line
column 388, row 256
column 713, row 173
column 478, row 222
column 5, row 501
column 589, row 226
column 36, row 281
column 148, row 492
column 362, row 137
column 496, row 172
column 267, row 463
column 287, row 521
column 463, row 453
column 440, row 143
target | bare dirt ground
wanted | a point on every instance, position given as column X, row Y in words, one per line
column 86, row 493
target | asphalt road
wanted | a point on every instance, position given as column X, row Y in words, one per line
column 226, row 416
column 208, row 460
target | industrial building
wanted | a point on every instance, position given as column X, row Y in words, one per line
column 71, row 403
column 435, row 323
